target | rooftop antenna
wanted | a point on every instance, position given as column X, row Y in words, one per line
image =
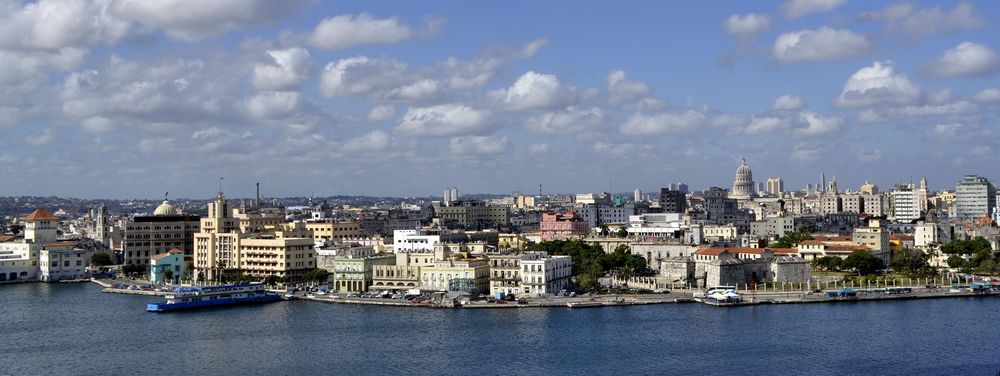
column 165, row 196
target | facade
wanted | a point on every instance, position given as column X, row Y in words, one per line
column 505, row 274
column 330, row 230
column 905, row 203
column 672, row 201
column 876, row 238
column 562, row 226
column 166, row 229
column 852, row 203
column 404, row 274
column 355, row 274
column 599, row 214
column 975, row 197
column 743, row 185
column 776, row 226
column 473, row 214
column 447, row 274
column 874, row 203
column 62, row 261
column 542, row 274
column 167, row 267
column 221, row 248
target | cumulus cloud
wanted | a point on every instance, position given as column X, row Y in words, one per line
column 445, row 120
column 377, row 140
column 567, row 121
column 817, row 45
column 641, row 124
column 29, row 68
column 274, row 104
column 468, row 74
column 535, row 91
column 346, row 31
column 966, row 59
column 878, row 84
column 381, row 112
column 817, row 125
column 987, row 95
column 194, row 20
column 765, row 124
column 621, row 88
column 789, row 103
column 907, row 20
column 799, row 8
column 97, row 124
column 291, row 68
column 469, row 145
column 747, row 25
column 947, row 130
column 538, row 149
column 54, row 24
column 805, row 152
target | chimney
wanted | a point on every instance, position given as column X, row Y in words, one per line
column 256, row 202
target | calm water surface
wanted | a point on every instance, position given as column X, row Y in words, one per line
column 73, row 329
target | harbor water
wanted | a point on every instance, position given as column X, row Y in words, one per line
column 74, row 329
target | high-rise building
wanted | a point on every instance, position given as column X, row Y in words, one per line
column 637, row 195
column 680, row 187
column 905, row 206
column 743, row 186
column 672, row 201
column 923, row 193
column 166, row 229
column 450, row 195
column 775, row 186
column 975, row 197
column 869, row 188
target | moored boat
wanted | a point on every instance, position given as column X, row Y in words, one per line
column 183, row 298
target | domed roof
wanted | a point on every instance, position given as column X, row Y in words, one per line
column 165, row 209
column 744, row 169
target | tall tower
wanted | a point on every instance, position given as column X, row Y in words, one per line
column 101, row 226
column 822, row 182
column 743, row 186
column 637, row 195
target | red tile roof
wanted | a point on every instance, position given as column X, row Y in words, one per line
column 734, row 250
column 40, row 215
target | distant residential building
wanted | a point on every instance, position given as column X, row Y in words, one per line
column 905, row 203
column 355, row 274
column 331, row 230
column 928, row 234
column 875, row 236
column 775, row 186
column 680, row 187
column 450, row 195
column 542, row 274
column 473, row 214
column 869, row 189
column 62, row 261
column 562, row 226
column 975, row 197
column 852, row 203
column 776, row 226
column 874, row 204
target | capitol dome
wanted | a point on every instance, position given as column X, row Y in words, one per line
column 165, row 209
column 743, row 185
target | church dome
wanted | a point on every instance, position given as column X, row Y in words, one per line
column 743, row 185
column 744, row 171
column 165, row 209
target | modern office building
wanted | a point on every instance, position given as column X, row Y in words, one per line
column 975, row 197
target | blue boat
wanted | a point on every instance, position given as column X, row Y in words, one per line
column 213, row 296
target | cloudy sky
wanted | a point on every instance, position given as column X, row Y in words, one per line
column 125, row 98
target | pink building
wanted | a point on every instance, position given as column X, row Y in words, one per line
column 562, row 226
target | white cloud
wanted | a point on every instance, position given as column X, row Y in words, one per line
column 987, row 95
column 939, row 97
column 640, row 124
column 538, row 149
column 905, row 19
column 616, row 150
column 947, row 130
column 381, row 112
column 54, row 24
column 535, row 91
column 817, row 125
column 567, row 121
column 362, row 76
column 765, row 124
column 953, row 108
column 444, row 120
column 23, row 67
column 424, row 89
column 346, row 31
column 291, row 68
column 799, row 8
column 274, row 104
column 377, row 140
column 870, row 155
column 481, row 69
column 747, row 25
column 467, row 145
column 194, row 20
column 966, row 59
column 789, row 103
column 621, row 88
column 805, row 152
column 40, row 139
column 877, row 84
column 98, row 124
column 818, row 45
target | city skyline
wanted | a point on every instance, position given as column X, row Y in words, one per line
column 403, row 99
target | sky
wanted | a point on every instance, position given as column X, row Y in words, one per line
column 130, row 99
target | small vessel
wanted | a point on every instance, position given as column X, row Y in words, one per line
column 182, row 298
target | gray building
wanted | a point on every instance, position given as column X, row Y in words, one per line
column 975, row 197
column 672, row 201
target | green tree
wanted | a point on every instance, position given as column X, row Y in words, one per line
column 828, row 263
column 622, row 233
column 956, row 261
column 966, row 247
column 317, row 275
column 168, row 276
column 863, row 262
column 100, row 259
column 910, row 262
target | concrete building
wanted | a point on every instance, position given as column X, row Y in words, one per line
column 19, row 260
column 876, row 237
column 736, row 267
column 450, row 195
column 166, row 229
column 874, row 204
column 542, row 274
column 356, row 274
column 775, row 186
column 62, row 261
column 472, row 214
column 926, row 234
column 221, row 248
column 456, row 273
column 562, row 226
column 330, row 230
column 975, row 197
column 772, row 227
column 905, row 203
column 404, row 273
column 852, row 203
column 672, row 201
column 167, row 267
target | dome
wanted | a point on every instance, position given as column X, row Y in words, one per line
column 743, row 170
column 165, row 209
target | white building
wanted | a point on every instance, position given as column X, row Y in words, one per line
column 413, row 241
column 62, row 261
column 926, row 234
column 905, row 203
column 542, row 274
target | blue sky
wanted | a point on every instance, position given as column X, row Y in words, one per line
column 129, row 99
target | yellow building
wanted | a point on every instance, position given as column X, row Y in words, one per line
column 221, row 247
column 454, row 272
column 404, row 273
column 334, row 230
column 512, row 241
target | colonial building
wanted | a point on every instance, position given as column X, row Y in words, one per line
column 166, row 229
column 743, row 185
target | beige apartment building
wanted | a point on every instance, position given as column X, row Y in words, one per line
column 222, row 248
column 334, row 230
